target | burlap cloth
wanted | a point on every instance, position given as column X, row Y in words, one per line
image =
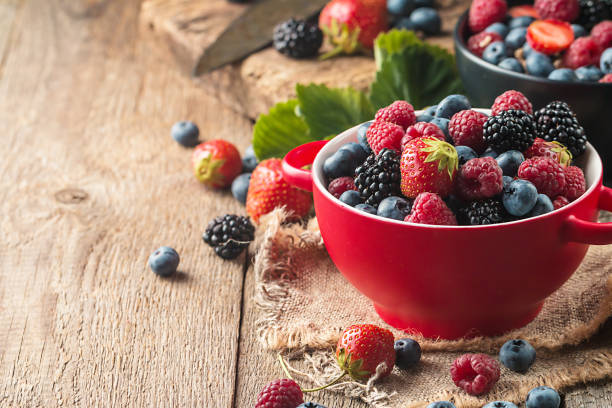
column 305, row 303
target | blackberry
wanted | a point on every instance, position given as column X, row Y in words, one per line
column 379, row 177
column 483, row 212
column 510, row 130
column 593, row 12
column 557, row 122
column 229, row 235
column 297, row 38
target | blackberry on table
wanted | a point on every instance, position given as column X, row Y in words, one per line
column 379, row 177
column 557, row 122
column 229, row 235
column 297, row 38
column 593, row 12
column 510, row 130
column 483, row 212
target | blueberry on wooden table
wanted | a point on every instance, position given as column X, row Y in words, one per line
column 164, row 261
column 249, row 160
column 543, row 397
column 517, row 355
column 500, row 404
column 407, row 353
column 185, row 133
column 441, row 404
column 240, row 187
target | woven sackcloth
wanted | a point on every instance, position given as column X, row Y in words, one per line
column 305, row 303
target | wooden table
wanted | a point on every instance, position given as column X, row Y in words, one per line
column 91, row 184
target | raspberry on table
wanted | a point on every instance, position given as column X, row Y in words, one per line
column 483, row 13
column 575, row 184
column 422, row 129
column 465, row 128
column 341, row 184
column 478, row 42
column 479, row 178
column 560, row 202
column 564, row 10
column 510, row 130
column 511, row 100
column 384, row 135
column 400, row 113
column 602, row 34
column 582, row 52
column 475, row 373
column 545, row 174
column 283, row 393
column 429, row 208
column 557, row 122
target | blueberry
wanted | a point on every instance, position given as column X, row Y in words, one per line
column 404, row 23
column 185, row 133
column 164, row 261
column 500, row 404
column 579, row 31
column 431, row 111
column 510, row 161
column 519, row 197
column 442, row 123
column 499, row 28
column 366, row 208
column 351, row 197
column 339, row 164
column 563, row 74
column 465, row 153
column 424, row 118
column 511, row 64
column 605, row 61
column 310, row 405
column 518, row 355
column 543, row 397
column 489, row 153
column 522, row 21
column 361, row 136
column 393, row 207
column 507, row 180
column 588, row 74
column 495, row 52
column 451, row 105
column 358, row 152
column 516, row 38
column 539, row 64
column 407, row 353
column 454, row 203
column 542, row 206
column 441, row 404
column 240, row 186
column 249, row 160
column 400, row 7
column 527, row 50
column 427, row 20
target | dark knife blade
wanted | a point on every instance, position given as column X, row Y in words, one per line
column 252, row 31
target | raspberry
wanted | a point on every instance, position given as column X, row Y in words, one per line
column 606, row 79
column 479, row 178
column 483, row 13
column 545, row 174
column 583, row 51
column 465, row 128
column 602, row 34
column 575, row 185
column 564, row 10
column 400, row 113
column 283, row 393
column 559, row 202
column 429, row 208
column 384, row 135
column 340, row 185
column 553, row 150
column 478, row 42
column 511, row 100
column 422, row 129
column 475, row 373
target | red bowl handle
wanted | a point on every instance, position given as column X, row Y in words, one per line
column 594, row 233
column 301, row 156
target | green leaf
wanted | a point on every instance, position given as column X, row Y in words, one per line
column 420, row 73
column 330, row 111
column 279, row 131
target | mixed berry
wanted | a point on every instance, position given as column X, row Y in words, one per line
column 511, row 165
column 562, row 40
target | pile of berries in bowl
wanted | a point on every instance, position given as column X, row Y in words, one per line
column 562, row 40
column 454, row 165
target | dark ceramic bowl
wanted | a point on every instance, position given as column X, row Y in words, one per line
column 592, row 102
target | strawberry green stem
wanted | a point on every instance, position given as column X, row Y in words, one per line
column 326, row 385
column 284, row 366
column 330, row 54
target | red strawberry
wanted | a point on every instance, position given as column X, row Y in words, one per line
column 429, row 208
column 428, row 165
column 352, row 25
column 606, row 79
column 362, row 347
column 216, row 163
column 554, row 150
column 400, row 113
column 382, row 135
column 483, row 13
column 550, row 36
column 422, row 129
column 268, row 190
column 478, row 42
column 524, row 10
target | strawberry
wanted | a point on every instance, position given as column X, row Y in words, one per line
column 428, row 165
column 352, row 25
column 524, row 10
column 268, row 190
column 549, row 36
column 554, row 150
column 362, row 347
column 216, row 163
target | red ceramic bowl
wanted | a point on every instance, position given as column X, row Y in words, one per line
column 453, row 281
